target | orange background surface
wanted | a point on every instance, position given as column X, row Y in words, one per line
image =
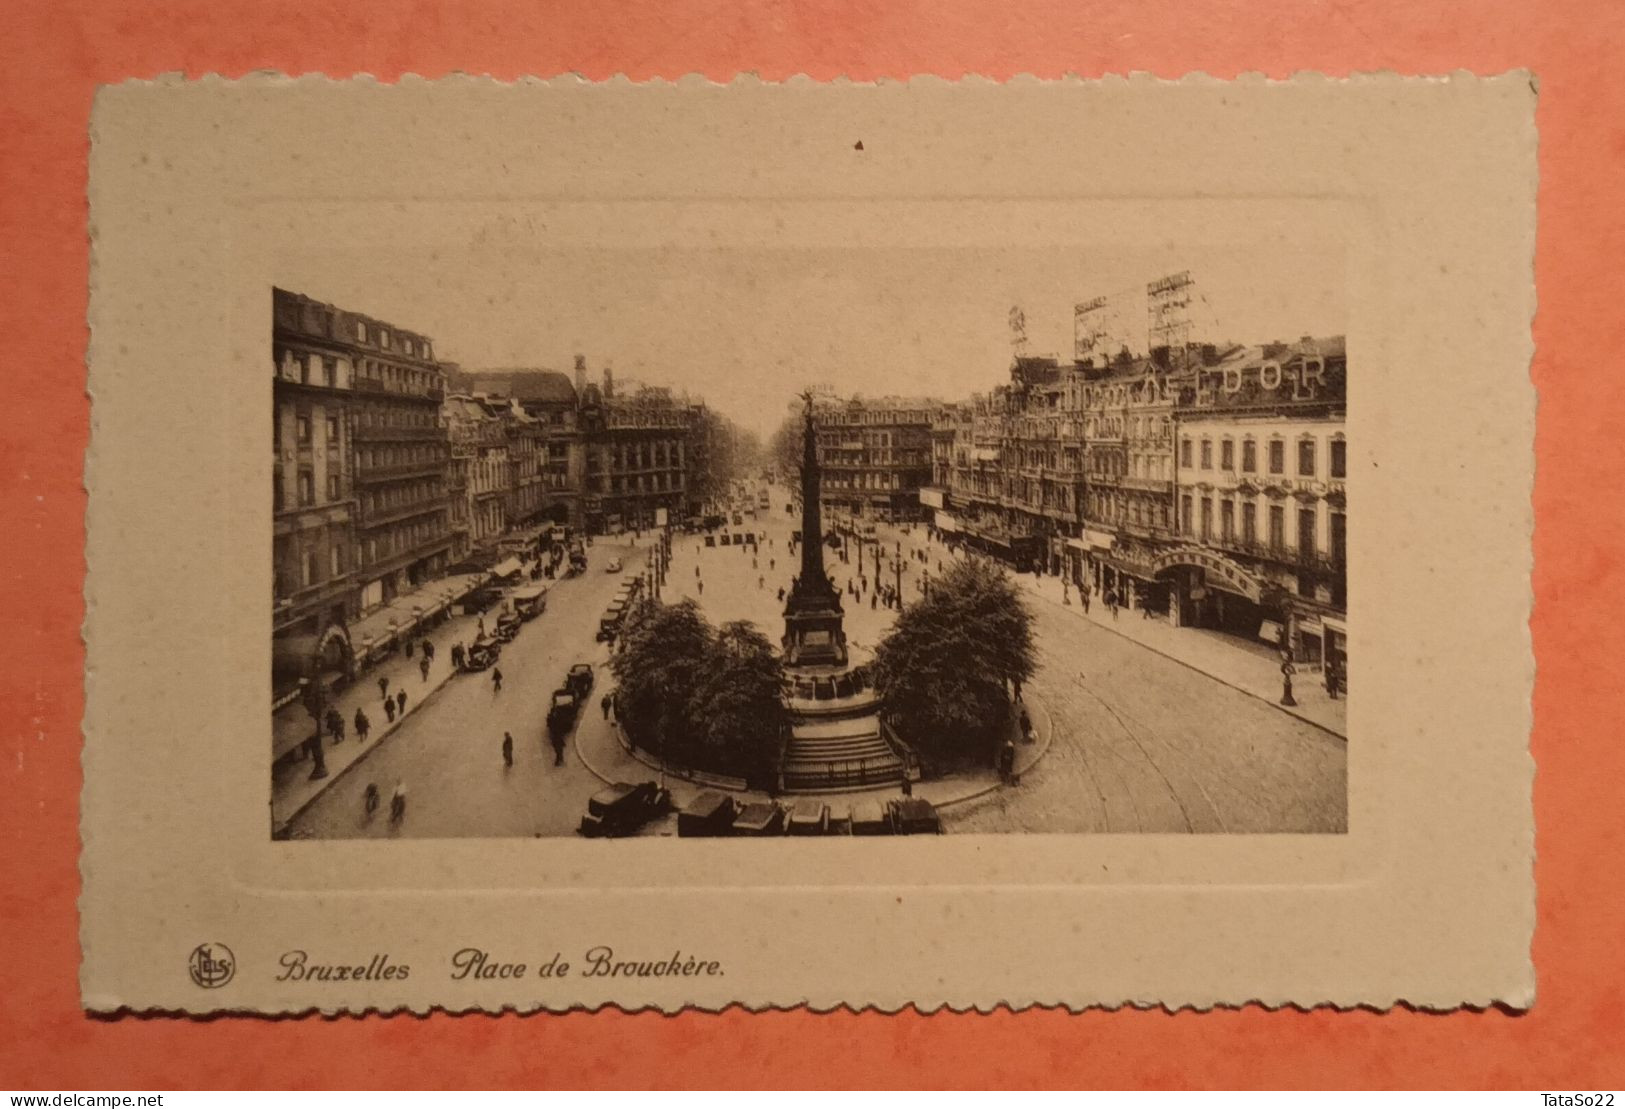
column 55, row 55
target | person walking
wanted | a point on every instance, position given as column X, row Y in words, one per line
column 1083, row 595
column 760, row 581
column 507, row 750
column 383, row 687
column 335, row 725
column 423, row 667
column 496, row 680
column 604, row 703
column 362, row 726
column 1007, row 761
column 428, row 650
column 397, row 803
column 389, row 709
column 457, row 656
column 874, row 599
column 696, row 569
column 701, row 588
column 400, row 703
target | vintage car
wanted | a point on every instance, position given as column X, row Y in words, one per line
column 914, row 816
column 621, row 809
column 709, row 814
column 561, row 711
column 481, row 654
column 482, row 598
column 530, row 602
column 579, row 680
column 809, row 818
column 759, row 818
column 507, row 627
column 613, row 566
column 871, row 818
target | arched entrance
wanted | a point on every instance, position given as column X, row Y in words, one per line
column 1215, row 592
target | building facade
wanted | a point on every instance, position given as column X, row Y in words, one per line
column 875, row 455
column 359, row 477
column 1262, row 497
column 635, row 458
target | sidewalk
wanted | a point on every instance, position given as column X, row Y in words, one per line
column 600, row 747
column 291, row 786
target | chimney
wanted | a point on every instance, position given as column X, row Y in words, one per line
column 609, row 382
column 581, row 373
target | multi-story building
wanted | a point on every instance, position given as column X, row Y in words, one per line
column 875, row 455
column 359, row 477
column 1128, row 505
column 1262, row 471
column 555, row 448
column 635, row 471
column 477, row 431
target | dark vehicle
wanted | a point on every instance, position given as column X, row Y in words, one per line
column 482, row 598
column 561, row 712
column 621, row 809
column 809, row 818
column 871, row 818
column 481, row 654
column 530, row 603
column 609, row 625
column 579, row 680
column 760, row 818
column 507, row 628
column 914, row 816
column 709, row 814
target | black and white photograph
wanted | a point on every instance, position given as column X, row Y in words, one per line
column 812, row 542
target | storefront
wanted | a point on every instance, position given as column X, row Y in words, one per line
column 1208, row 590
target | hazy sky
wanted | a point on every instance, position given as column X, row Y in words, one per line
column 747, row 328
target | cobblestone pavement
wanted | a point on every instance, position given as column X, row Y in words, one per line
column 1145, row 744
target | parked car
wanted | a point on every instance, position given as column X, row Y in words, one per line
column 561, row 711
column 710, row 814
column 914, row 816
column 482, row 598
column 579, row 680
column 530, row 602
column 481, row 654
column 871, row 818
column 760, row 818
column 614, row 566
column 621, row 809
column 507, row 627
column 809, row 818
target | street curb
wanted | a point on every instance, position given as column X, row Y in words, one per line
column 1038, row 757
column 1328, row 729
column 333, row 778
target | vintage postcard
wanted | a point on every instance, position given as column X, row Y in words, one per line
column 952, row 544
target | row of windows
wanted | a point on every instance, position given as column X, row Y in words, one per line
column 1134, row 510
column 392, row 497
column 380, row 457
column 1307, row 541
column 396, row 415
column 304, row 490
column 402, row 538
column 645, row 483
column 414, row 348
column 1307, row 450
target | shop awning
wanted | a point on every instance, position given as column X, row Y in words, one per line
column 945, row 522
column 507, row 568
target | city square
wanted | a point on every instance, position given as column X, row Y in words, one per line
column 1180, row 669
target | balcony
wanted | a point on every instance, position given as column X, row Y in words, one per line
column 1148, row 484
column 372, row 475
column 375, row 434
column 403, row 512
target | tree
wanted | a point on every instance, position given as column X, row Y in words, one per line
column 738, row 709
column 710, row 699
column 945, row 664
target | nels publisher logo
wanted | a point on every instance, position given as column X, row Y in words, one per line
column 212, row 965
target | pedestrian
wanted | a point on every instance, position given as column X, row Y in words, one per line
column 605, row 704
column 496, row 680
column 753, row 565
column 362, row 726
column 457, row 656
column 389, row 709
column 1145, row 607
column 1083, row 594
column 1026, row 727
column 772, row 563
column 335, row 725
column 507, row 749
column 400, row 703
column 423, row 667
column 760, row 580
column 482, row 625
column 1333, row 677
column 370, row 798
column 874, row 599
column 696, row 569
column 702, row 588
column 383, row 688
column 407, row 648
column 781, row 593
column 428, row 650
column 1016, row 682
column 397, row 803
column 1007, row 760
